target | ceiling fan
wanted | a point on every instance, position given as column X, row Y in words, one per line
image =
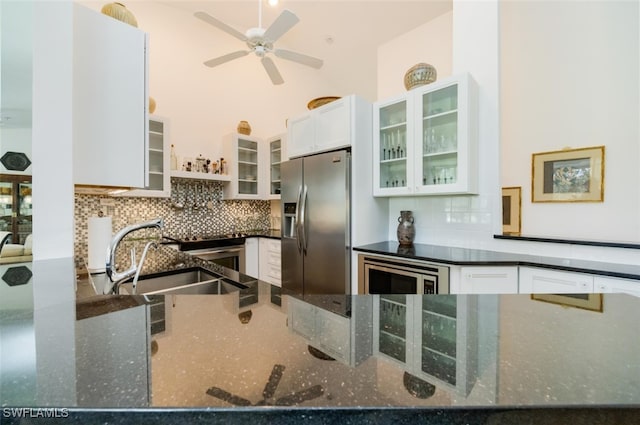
column 261, row 42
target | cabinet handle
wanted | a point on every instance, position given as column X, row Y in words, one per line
column 487, row 276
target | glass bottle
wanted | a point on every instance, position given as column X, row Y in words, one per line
column 174, row 159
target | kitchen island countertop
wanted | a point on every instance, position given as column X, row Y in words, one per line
column 225, row 360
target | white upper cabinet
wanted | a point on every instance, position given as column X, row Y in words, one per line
column 325, row 128
column 244, row 156
column 110, row 97
column 425, row 140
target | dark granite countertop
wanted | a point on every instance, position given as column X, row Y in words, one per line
column 478, row 257
column 229, row 359
column 271, row 234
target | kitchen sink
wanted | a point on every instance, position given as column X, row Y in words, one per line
column 194, row 280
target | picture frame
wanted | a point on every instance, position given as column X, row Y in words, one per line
column 569, row 175
column 592, row 302
column 511, row 207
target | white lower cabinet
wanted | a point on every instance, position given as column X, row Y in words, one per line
column 331, row 333
column 606, row 285
column 544, row 281
column 489, row 280
column 433, row 338
column 269, row 261
column 251, row 257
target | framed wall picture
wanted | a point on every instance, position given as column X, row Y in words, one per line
column 511, row 204
column 591, row 302
column 571, row 175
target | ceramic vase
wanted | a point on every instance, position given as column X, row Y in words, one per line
column 406, row 229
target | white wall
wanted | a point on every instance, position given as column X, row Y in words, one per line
column 430, row 43
column 569, row 78
column 506, row 46
column 464, row 40
column 53, row 204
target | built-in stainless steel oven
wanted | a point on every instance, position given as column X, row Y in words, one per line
column 396, row 275
column 231, row 257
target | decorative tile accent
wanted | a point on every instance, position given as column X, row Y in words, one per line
column 16, row 161
column 204, row 213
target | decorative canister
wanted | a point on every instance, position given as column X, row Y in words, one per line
column 406, row 230
column 419, row 75
column 120, row 12
column 244, row 128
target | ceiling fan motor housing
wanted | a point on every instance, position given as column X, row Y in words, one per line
column 257, row 42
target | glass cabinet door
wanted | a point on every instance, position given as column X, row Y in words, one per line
column 275, row 158
column 6, row 206
column 439, row 337
column 392, row 146
column 156, row 155
column 247, row 167
column 16, row 206
column 440, row 136
column 392, row 330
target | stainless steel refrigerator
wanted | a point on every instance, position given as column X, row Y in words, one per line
column 316, row 236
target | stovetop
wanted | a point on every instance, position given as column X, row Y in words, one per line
column 208, row 241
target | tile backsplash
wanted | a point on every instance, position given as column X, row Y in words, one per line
column 204, row 212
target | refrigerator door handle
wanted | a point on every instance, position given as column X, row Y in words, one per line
column 298, row 231
column 303, row 215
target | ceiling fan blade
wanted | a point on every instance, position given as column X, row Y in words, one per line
column 274, row 380
column 220, row 25
column 300, row 396
column 273, row 72
column 226, row 58
column 228, row 397
column 283, row 23
column 299, row 57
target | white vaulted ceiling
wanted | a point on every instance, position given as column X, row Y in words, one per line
column 345, row 34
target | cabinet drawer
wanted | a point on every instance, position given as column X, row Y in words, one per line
column 273, row 246
column 544, row 281
column 274, row 259
column 606, row 285
column 489, row 280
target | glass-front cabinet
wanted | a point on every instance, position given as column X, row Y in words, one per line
column 242, row 154
column 159, row 174
column 425, row 140
column 433, row 337
column 16, row 206
column 276, row 155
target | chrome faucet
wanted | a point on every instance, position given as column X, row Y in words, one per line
column 115, row 277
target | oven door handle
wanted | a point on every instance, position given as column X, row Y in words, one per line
column 205, row 251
